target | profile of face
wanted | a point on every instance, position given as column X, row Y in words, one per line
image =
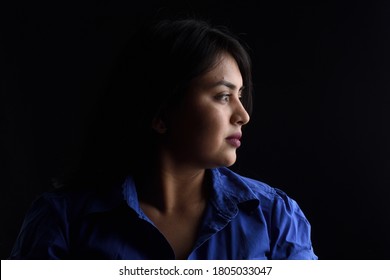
column 205, row 130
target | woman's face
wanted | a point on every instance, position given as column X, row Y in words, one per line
column 205, row 130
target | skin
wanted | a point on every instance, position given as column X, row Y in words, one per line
column 192, row 140
column 211, row 111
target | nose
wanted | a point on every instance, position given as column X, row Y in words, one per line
column 240, row 116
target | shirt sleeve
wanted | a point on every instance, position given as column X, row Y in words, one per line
column 43, row 234
column 290, row 231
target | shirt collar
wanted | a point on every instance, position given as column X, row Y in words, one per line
column 229, row 193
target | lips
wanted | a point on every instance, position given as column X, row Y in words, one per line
column 234, row 139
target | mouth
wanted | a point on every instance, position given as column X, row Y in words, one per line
column 234, row 140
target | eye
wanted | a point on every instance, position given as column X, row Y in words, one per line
column 224, row 97
column 241, row 94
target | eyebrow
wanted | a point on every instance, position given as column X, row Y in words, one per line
column 227, row 84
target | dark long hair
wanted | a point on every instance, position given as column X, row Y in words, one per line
column 151, row 76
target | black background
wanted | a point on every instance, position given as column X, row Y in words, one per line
column 319, row 130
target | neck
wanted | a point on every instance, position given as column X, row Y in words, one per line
column 173, row 186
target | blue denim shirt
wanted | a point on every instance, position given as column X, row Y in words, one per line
column 244, row 219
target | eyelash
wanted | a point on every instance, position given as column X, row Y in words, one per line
column 225, row 97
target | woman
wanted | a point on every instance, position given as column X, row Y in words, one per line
column 156, row 184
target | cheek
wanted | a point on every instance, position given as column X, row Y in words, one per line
column 201, row 124
column 209, row 128
column 205, row 115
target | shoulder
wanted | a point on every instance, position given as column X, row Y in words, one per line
column 274, row 204
column 287, row 226
column 266, row 194
column 72, row 202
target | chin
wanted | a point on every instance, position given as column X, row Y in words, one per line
column 229, row 161
column 228, row 165
column 226, row 160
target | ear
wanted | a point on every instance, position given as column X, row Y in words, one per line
column 159, row 126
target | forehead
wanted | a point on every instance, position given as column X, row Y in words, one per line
column 225, row 69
